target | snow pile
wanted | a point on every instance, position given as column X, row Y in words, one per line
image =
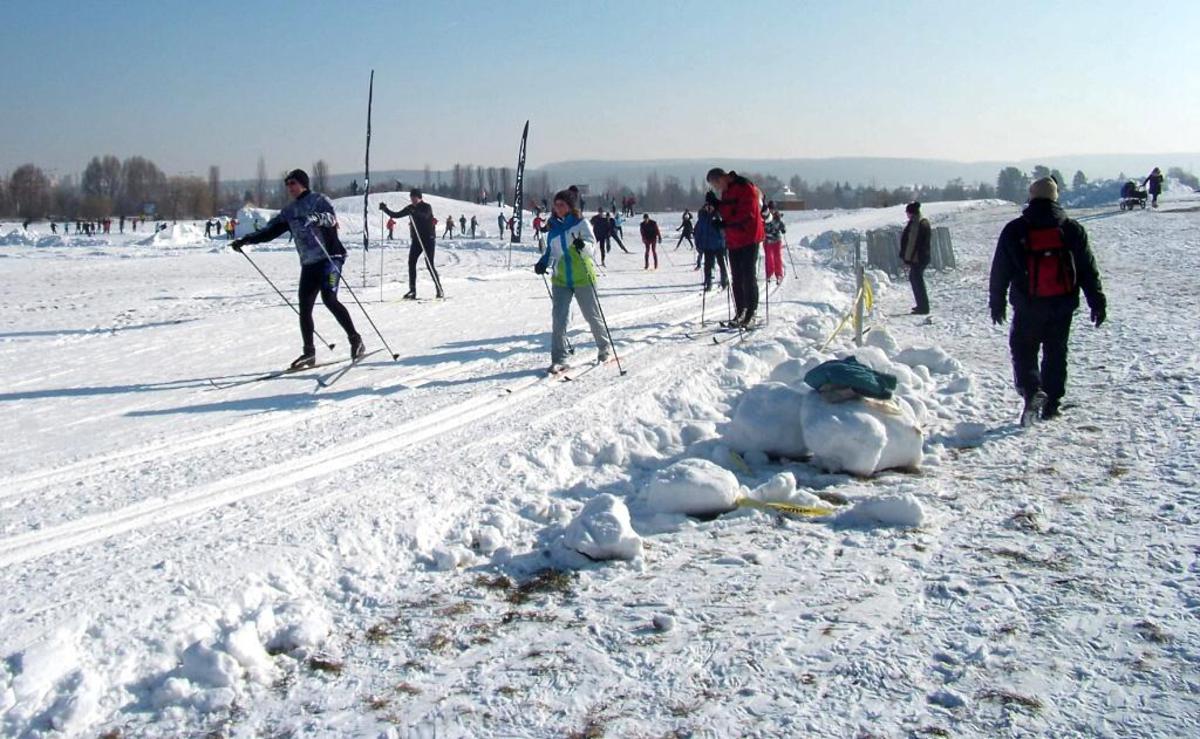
column 48, row 686
column 17, row 237
column 767, row 420
column 904, row 511
column 781, row 488
column 180, row 234
column 601, row 531
column 250, row 219
column 783, row 417
column 695, row 487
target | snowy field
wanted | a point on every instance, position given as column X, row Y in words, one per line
column 452, row 545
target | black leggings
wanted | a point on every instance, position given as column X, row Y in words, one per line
column 414, row 258
column 743, row 262
column 322, row 279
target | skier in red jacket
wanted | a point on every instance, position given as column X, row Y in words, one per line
column 741, row 210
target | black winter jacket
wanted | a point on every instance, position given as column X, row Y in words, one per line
column 924, row 236
column 1011, row 275
column 422, row 221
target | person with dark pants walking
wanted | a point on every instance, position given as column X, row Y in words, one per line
column 602, row 230
column 313, row 226
column 686, row 227
column 615, row 228
column 1154, row 182
column 1042, row 261
column 651, row 238
column 915, row 253
column 422, row 230
column 739, row 204
column 710, row 241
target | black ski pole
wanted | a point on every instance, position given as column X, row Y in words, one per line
column 703, row 301
column 604, row 320
column 433, row 275
column 791, row 258
column 361, row 307
column 281, row 295
column 766, row 287
column 549, row 294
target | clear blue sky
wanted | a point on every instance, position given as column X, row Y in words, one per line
column 203, row 82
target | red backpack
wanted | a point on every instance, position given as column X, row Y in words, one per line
column 1048, row 262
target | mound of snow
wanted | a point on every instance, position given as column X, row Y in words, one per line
column 181, row 234
column 861, row 436
column 693, row 487
column 601, row 531
column 768, row 420
column 17, row 237
column 890, row 510
column 933, row 357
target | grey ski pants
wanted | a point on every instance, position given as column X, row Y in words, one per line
column 585, row 297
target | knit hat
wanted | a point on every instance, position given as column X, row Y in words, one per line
column 415, row 192
column 299, row 175
column 913, row 207
column 1045, row 188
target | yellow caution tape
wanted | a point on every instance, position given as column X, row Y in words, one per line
column 791, row 509
column 741, row 463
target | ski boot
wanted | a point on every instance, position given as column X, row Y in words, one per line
column 305, row 361
column 1052, row 409
column 410, row 295
column 357, row 350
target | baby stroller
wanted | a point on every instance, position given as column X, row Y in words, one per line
column 1132, row 196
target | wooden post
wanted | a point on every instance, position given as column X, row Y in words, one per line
column 858, row 293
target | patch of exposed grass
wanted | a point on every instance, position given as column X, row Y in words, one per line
column 457, row 609
column 324, row 664
column 593, row 729
column 500, row 582
column 546, row 581
column 408, row 689
column 1151, row 632
column 1026, row 521
column 1027, row 559
column 437, row 642
column 377, row 703
column 1117, row 471
column 1010, row 698
column 534, row 616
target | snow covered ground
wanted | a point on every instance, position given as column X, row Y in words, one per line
column 412, row 552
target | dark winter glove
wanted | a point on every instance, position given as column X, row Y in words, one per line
column 382, row 205
column 999, row 314
column 237, row 245
column 710, row 197
column 1098, row 315
column 578, row 244
column 540, row 267
column 313, row 219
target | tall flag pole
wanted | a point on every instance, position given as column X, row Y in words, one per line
column 367, row 178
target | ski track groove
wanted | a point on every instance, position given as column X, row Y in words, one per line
column 96, row 527
column 30, row 482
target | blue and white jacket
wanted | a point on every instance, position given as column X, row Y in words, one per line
column 312, row 222
column 572, row 267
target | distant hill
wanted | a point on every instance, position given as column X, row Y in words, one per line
column 880, row 171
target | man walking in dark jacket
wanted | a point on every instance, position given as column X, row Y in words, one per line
column 602, row 230
column 1042, row 261
column 313, row 225
column 915, row 253
column 423, row 232
column 651, row 238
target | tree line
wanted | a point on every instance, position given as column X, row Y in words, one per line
column 111, row 187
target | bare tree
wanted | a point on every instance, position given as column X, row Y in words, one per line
column 214, row 188
column 142, row 183
column 30, row 190
column 260, row 182
column 101, row 186
column 320, row 176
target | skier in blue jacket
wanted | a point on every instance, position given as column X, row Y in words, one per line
column 313, row 225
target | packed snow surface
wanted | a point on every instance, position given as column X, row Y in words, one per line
column 451, row 544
